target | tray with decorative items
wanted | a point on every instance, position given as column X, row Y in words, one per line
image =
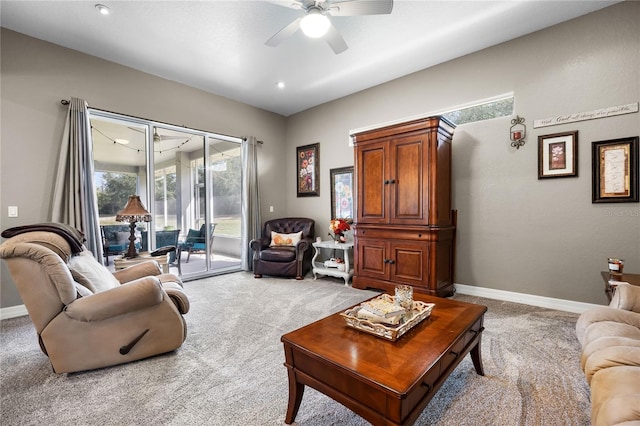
column 382, row 317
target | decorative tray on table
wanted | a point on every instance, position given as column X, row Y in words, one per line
column 390, row 327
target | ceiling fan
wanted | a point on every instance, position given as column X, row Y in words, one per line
column 315, row 23
column 158, row 137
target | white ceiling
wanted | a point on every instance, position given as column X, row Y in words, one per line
column 219, row 46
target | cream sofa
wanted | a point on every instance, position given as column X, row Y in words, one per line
column 610, row 339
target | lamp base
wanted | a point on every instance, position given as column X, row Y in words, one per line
column 131, row 253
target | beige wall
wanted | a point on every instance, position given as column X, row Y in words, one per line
column 516, row 233
column 36, row 75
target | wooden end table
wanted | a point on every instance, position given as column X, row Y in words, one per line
column 387, row 383
column 121, row 263
column 633, row 279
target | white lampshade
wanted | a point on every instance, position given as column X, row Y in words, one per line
column 315, row 24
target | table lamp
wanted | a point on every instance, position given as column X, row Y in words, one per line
column 133, row 212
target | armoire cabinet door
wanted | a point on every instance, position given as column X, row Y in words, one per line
column 407, row 181
column 408, row 263
column 370, row 261
column 400, row 261
column 372, row 203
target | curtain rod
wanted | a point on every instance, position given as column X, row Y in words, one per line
column 67, row 102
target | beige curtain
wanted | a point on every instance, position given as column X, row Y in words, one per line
column 251, row 224
column 74, row 200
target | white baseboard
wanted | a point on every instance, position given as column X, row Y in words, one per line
column 527, row 299
column 13, row 312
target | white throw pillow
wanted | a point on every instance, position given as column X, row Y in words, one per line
column 279, row 240
column 87, row 271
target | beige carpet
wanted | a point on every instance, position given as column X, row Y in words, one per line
column 230, row 369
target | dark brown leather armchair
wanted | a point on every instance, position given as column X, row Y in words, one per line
column 287, row 261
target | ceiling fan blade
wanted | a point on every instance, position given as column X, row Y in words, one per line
column 335, row 40
column 361, row 7
column 287, row 31
column 291, row 4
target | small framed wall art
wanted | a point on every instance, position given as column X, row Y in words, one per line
column 558, row 155
column 308, row 170
column 615, row 170
column 342, row 193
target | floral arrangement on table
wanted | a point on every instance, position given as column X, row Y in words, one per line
column 338, row 227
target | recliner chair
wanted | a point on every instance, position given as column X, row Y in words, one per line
column 271, row 256
column 86, row 317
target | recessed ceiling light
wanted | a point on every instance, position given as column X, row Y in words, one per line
column 280, row 84
column 121, row 141
column 104, row 10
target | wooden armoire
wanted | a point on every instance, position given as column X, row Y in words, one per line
column 404, row 231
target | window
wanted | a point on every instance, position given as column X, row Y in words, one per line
column 486, row 110
column 165, row 198
column 497, row 106
column 186, row 178
column 113, row 190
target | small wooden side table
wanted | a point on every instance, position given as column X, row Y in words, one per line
column 318, row 264
column 121, row 263
column 633, row 279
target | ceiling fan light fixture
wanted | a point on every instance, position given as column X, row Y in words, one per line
column 104, row 10
column 315, row 24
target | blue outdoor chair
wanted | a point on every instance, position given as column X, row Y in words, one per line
column 196, row 241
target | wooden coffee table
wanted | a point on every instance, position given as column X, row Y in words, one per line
column 387, row 383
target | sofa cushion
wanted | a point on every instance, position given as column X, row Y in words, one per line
column 279, row 239
column 278, row 254
column 615, row 393
column 610, row 328
column 613, row 356
column 626, row 297
column 604, row 314
column 603, row 343
column 86, row 270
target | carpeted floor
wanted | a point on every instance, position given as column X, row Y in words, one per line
column 230, row 369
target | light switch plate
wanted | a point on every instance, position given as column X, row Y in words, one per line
column 12, row 211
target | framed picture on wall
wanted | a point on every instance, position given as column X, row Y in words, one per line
column 342, row 193
column 308, row 170
column 558, row 155
column 615, row 170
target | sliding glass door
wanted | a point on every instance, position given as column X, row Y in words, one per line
column 189, row 181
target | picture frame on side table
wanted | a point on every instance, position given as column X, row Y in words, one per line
column 615, row 170
column 558, row 155
column 342, row 193
column 308, row 170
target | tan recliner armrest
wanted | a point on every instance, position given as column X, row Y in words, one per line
column 140, row 270
column 177, row 295
column 133, row 296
